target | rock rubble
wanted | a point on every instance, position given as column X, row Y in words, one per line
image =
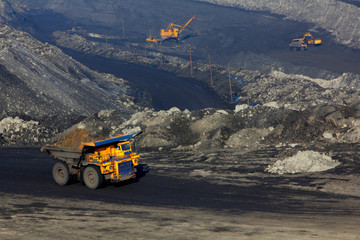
column 214, row 129
column 20, row 132
column 303, row 162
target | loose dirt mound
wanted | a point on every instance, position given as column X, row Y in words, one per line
column 75, row 138
column 303, row 161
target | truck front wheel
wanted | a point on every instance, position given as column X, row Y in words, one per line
column 61, row 173
column 92, row 177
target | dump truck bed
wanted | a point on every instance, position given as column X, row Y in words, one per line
column 69, row 155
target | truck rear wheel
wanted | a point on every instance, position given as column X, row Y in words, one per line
column 61, row 173
column 92, row 177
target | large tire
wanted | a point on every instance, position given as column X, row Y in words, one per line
column 92, row 177
column 61, row 173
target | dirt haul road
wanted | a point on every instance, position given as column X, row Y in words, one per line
column 161, row 207
column 167, row 90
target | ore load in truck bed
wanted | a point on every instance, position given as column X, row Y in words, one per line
column 74, row 138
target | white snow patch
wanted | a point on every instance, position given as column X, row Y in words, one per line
column 81, row 125
column 105, row 113
column 129, row 131
column 328, row 135
column 174, row 110
column 271, row 104
column 222, row 112
column 303, row 161
column 240, row 107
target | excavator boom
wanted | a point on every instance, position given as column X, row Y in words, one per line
column 186, row 24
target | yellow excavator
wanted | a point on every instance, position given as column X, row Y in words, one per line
column 303, row 43
column 310, row 40
column 173, row 31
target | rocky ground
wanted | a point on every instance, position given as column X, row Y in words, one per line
column 304, row 205
column 44, row 91
column 143, row 222
column 48, row 218
column 39, row 80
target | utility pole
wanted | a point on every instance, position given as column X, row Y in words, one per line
column 191, row 67
column 231, row 100
column 123, row 28
column 211, row 78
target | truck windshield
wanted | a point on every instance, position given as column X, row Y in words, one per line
column 125, row 147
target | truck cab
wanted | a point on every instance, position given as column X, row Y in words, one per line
column 116, row 160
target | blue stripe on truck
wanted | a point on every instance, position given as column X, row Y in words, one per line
column 113, row 140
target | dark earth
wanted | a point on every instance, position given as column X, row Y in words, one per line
column 156, row 189
column 169, row 197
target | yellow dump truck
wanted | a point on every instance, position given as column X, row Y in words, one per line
column 298, row 45
column 114, row 160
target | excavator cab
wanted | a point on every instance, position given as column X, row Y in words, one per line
column 170, row 32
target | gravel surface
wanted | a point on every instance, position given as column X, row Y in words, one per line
column 186, row 195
